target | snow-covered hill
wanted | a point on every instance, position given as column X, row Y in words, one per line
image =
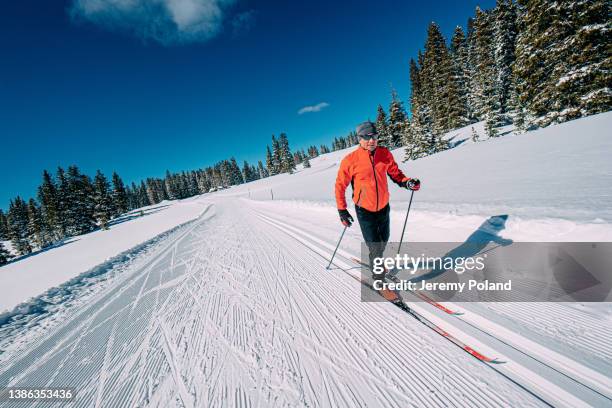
column 233, row 306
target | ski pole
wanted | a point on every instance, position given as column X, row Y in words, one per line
column 405, row 221
column 343, row 231
column 340, row 240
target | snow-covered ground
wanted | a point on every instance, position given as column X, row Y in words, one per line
column 33, row 275
column 235, row 306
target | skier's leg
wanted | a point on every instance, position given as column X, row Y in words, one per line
column 382, row 232
column 369, row 230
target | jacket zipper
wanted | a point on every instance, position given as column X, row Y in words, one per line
column 375, row 179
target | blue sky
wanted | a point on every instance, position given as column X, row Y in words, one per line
column 141, row 86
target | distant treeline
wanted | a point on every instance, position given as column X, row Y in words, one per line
column 72, row 203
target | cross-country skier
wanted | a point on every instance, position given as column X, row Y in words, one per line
column 366, row 169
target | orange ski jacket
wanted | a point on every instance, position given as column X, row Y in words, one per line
column 367, row 173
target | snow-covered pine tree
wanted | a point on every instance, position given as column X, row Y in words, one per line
column 563, row 60
column 587, row 82
column 254, row 172
column 80, row 207
column 261, row 170
column 235, row 173
column 247, row 176
column 193, row 183
column 286, row 159
column 276, row 156
column 170, row 186
column 3, row 227
column 132, row 191
column 504, row 34
column 382, row 127
column 203, row 183
column 120, row 200
column 306, row 162
column 269, row 162
column 17, row 219
column 420, row 130
column 5, row 256
column 62, row 200
column 484, row 64
column 439, row 83
column 50, row 204
column 151, row 191
column 461, row 72
column 398, row 120
column 474, row 94
column 183, row 186
column 143, row 196
column 38, row 235
column 103, row 203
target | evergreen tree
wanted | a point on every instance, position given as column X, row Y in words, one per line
column 80, row 207
column 120, row 198
column 484, row 65
column 4, row 235
column 420, row 131
column 563, row 60
column 261, row 169
column 269, row 162
column 17, row 220
column 48, row 196
column 247, row 174
column 397, row 121
column 151, row 191
column 474, row 97
column 440, row 90
column 306, row 162
column 276, row 156
column 203, row 183
column 286, row 161
column 461, row 72
column 38, row 236
column 254, row 173
column 103, row 204
column 382, row 127
column 143, row 196
column 504, row 31
column 235, row 173
column 62, row 201
column 5, row 256
column 192, row 181
column 133, row 202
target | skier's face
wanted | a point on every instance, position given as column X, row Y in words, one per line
column 369, row 144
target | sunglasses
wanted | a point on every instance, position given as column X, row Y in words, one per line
column 369, row 136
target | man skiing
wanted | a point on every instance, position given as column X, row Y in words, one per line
column 366, row 169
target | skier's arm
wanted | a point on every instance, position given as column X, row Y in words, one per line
column 342, row 181
column 395, row 173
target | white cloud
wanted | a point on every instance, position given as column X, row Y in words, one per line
column 313, row 108
column 165, row 21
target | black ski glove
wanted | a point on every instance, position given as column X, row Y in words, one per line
column 345, row 218
column 411, row 184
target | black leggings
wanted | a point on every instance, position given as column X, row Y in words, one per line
column 375, row 230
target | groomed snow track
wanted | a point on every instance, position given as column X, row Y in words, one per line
column 238, row 310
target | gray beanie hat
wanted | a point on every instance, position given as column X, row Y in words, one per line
column 366, row 128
